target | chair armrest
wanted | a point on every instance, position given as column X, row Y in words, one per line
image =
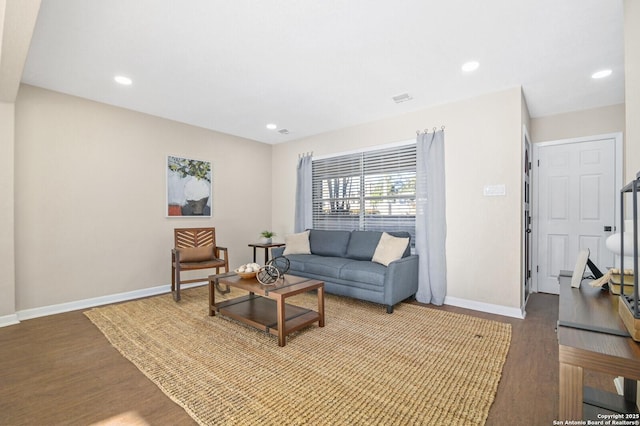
column 225, row 258
column 224, row 249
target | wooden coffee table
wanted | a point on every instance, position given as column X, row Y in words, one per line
column 264, row 306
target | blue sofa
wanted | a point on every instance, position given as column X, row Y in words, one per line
column 342, row 259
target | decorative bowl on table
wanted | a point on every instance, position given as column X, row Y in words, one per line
column 247, row 271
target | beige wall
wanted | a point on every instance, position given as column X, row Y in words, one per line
column 7, row 277
column 17, row 21
column 524, row 114
column 90, row 196
column 117, row 203
column 483, row 139
column 632, row 87
column 596, row 121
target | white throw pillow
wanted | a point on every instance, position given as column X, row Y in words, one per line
column 297, row 243
column 389, row 248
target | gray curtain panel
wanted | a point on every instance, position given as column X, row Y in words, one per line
column 431, row 223
column 303, row 215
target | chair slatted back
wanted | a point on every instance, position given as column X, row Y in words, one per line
column 194, row 237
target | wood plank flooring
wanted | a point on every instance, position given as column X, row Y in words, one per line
column 60, row 370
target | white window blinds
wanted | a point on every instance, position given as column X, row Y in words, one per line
column 373, row 190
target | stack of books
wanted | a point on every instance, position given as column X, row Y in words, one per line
column 615, row 281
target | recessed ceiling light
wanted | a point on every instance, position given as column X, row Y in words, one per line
column 601, row 74
column 470, row 66
column 126, row 81
column 272, row 126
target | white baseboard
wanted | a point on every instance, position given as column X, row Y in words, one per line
column 9, row 320
column 90, row 303
column 153, row 291
column 485, row 307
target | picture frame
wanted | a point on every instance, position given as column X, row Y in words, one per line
column 581, row 266
column 189, row 187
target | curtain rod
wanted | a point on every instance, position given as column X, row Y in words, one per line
column 427, row 130
column 305, row 154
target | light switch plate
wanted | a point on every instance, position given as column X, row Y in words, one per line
column 495, row 190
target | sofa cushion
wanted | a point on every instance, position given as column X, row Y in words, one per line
column 326, row 266
column 364, row 271
column 297, row 262
column 297, row 243
column 362, row 244
column 389, row 248
column 329, row 243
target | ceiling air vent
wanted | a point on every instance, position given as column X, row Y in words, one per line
column 283, row 131
column 404, row 97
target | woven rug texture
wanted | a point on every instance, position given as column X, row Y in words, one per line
column 365, row 367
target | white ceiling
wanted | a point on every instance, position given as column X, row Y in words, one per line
column 312, row 66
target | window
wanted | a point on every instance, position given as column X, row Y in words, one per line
column 373, row 190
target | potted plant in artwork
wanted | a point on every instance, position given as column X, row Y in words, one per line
column 266, row 237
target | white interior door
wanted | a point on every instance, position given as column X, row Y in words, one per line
column 576, row 206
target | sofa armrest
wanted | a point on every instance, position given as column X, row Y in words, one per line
column 277, row 251
column 401, row 280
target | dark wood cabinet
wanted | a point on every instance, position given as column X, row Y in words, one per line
column 592, row 336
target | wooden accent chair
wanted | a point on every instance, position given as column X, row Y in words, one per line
column 195, row 248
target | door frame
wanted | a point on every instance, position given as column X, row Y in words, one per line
column 618, row 176
column 526, row 142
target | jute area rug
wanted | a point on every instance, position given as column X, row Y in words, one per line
column 366, row 367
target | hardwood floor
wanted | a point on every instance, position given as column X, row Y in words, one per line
column 60, row 370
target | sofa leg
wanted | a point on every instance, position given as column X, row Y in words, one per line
column 389, row 309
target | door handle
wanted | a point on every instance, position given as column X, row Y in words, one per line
column 607, row 228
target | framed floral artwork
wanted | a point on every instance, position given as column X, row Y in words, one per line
column 189, row 187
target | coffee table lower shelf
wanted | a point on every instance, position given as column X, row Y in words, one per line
column 262, row 313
